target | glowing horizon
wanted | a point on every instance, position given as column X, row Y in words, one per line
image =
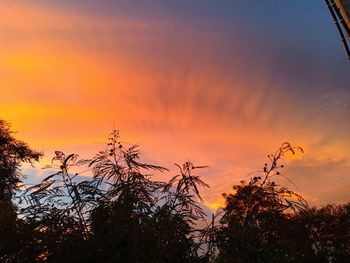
column 222, row 87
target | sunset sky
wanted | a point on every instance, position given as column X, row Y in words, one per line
column 221, row 83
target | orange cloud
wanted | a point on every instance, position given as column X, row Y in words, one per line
column 181, row 92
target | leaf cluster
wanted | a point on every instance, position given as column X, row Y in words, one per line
column 118, row 213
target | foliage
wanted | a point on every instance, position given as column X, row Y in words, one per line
column 120, row 214
column 12, row 153
column 256, row 214
column 328, row 232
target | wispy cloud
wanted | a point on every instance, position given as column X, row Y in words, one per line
column 222, row 93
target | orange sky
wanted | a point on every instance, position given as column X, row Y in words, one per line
column 183, row 88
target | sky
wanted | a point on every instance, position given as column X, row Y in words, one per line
column 220, row 83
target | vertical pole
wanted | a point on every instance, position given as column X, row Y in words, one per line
column 331, row 8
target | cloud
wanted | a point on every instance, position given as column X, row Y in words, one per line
column 221, row 93
column 322, row 181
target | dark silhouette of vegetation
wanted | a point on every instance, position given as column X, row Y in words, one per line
column 256, row 215
column 120, row 214
column 12, row 153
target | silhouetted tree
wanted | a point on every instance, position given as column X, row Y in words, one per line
column 182, row 210
column 119, row 214
column 256, row 214
column 13, row 153
column 326, row 233
column 140, row 220
column 121, row 222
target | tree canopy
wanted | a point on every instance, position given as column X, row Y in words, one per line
column 13, row 152
column 121, row 214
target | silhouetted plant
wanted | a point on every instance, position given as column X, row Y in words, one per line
column 122, row 176
column 208, row 239
column 62, row 192
column 326, row 232
column 119, row 214
column 255, row 215
column 122, row 223
column 184, row 199
column 13, row 153
column 180, row 207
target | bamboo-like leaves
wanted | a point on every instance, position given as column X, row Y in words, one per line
column 183, row 200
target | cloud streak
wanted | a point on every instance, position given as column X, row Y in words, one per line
column 219, row 91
